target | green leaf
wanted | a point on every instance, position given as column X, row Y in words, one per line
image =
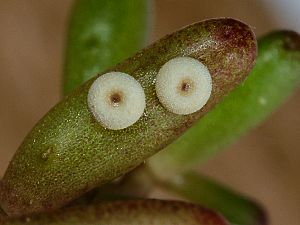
column 137, row 212
column 236, row 208
column 102, row 33
column 69, row 152
column 273, row 79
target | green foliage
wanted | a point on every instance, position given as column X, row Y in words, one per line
column 102, row 33
column 68, row 152
column 272, row 80
column 205, row 192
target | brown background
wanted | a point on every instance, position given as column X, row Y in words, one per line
column 263, row 164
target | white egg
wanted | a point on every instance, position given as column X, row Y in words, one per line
column 117, row 100
column 183, row 85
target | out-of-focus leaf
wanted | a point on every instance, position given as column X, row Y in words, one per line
column 237, row 209
column 102, row 33
column 137, row 212
column 274, row 78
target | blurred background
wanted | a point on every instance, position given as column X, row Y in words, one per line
column 264, row 164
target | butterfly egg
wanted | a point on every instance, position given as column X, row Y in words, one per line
column 117, row 100
column 183, row 85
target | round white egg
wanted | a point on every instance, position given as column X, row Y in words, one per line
column 183, row 85
column 117, row 100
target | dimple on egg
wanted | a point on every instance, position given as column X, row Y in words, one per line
column 183, row 85
column 116, row 100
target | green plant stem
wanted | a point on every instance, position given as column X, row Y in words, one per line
column 135, row 185
column 236, row 208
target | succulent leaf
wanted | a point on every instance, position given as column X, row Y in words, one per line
column 147, row 212
column 68, row 152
